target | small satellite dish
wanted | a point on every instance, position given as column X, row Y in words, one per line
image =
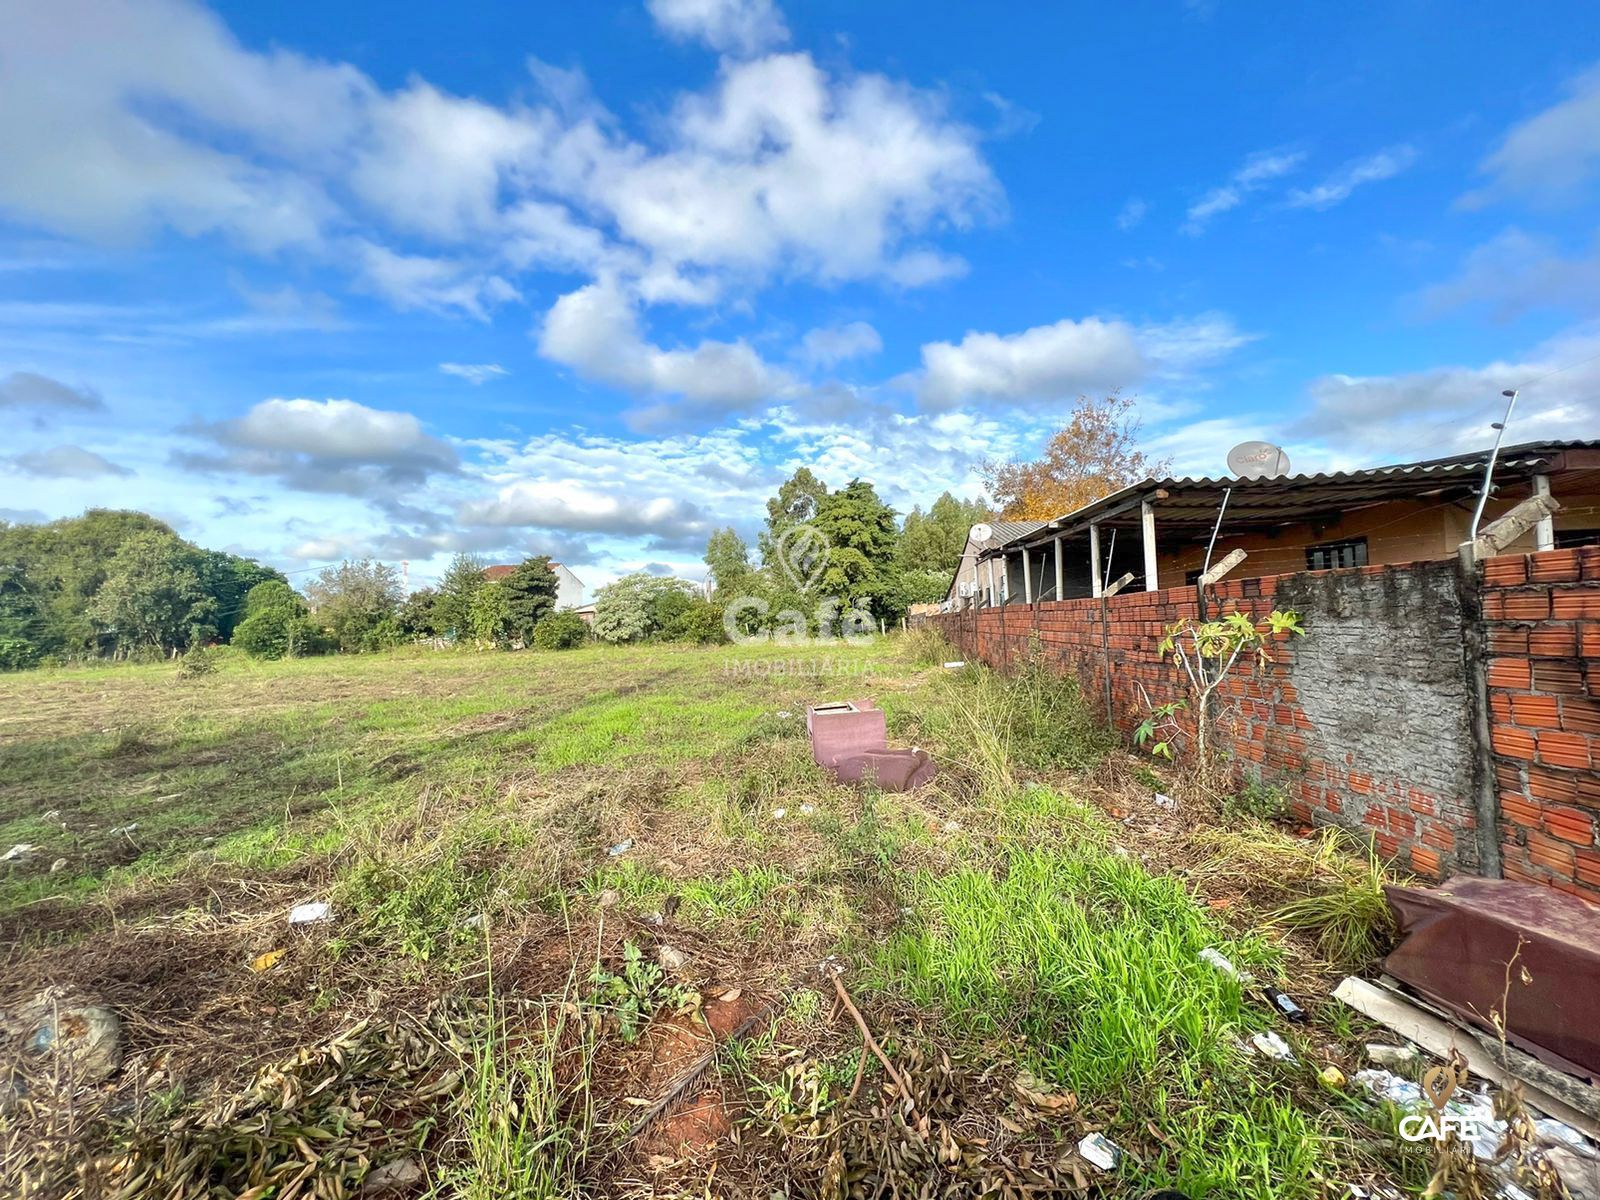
column 1257, row 460
column 981, row 532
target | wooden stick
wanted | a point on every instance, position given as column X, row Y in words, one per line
column 872, row 1042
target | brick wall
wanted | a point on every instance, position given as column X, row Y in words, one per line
column 1541, row 615
column 1365, row 722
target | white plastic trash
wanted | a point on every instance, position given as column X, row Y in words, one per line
column 1101, row 1151
column 305, row 914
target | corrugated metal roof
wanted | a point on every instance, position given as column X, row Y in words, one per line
column 1287, row 499
column 1010, row 531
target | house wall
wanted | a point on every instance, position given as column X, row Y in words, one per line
column 1541, row 615
column 1398, row 531
column 569, row 590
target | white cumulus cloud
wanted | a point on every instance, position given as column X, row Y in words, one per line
column 731, row 26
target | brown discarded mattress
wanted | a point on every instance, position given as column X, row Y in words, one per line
column 1457, row 940
column 850, row 738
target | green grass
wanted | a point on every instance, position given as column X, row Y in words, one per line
column 420, row 792
column 1091, row 964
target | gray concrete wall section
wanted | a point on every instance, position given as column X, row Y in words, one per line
column 1382, row 677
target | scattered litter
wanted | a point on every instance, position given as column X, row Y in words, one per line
column 621, row 848
column 779, row 814
column 1273, row 1046
column 475, row 921
column 403, row 1174
column 124, row 830
column 1162, row 800
column 906, row 910
column 1377, row 1191
column 87, row 1036
column 1405, row 1059
column 671, row 958
column 1284, row 1004
column 20, row 853
column 807, row 810
column 784, row 714
column 955, row 666
column 265, row 962
column 305, row 914
column 53, row 815
column 732, row 994
column 1480, row 1128
column 1332, row 1076
column 1101, row 1151
column 1220, row 961
column 60, row 864
column 952, row 826
column 610, row 898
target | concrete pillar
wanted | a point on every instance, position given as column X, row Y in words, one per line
column 1096, row 586
column 993, row 596
column 1544, row 533
column 1061, row 586
column 1147, row 518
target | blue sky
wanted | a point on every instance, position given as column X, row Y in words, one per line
column 316, row 281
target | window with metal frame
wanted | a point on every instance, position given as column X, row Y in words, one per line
column 1326, row 556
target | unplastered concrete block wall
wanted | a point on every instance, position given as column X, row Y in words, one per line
column 1366, row 722
column 1541, row 615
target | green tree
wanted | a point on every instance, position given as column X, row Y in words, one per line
column 799, row 500
column 861, row 538
column 530, row 595
column 277, row 624
column 564, row 630
column 490, row 619
column 228, row 579
column 418, row 615
column 933, row 541
column 151, row 594
column 631, row 609
column 729, row 560
column 356, row 601
column 457, row 589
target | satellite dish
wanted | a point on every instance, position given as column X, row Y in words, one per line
column 1257, row 460
column 981, row 532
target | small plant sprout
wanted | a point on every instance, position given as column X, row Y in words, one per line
column 1208, row 652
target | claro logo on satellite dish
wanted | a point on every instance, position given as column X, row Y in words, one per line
column 1438, row 1085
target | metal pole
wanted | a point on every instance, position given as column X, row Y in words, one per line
column 1200, row 588
column 1488, row 468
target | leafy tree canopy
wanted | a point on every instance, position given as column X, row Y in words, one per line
column 1094, row 454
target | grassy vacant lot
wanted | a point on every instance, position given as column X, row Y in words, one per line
column 588, row 913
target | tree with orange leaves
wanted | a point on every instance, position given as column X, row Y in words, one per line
column 1092, row 456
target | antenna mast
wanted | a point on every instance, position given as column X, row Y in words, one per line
column 1488, row 468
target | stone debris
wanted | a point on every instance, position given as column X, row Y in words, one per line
column 671, row 959
column 403, row 1174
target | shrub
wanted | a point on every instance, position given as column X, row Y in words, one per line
column 563, row 630
column 196, row 662
column 700, row 621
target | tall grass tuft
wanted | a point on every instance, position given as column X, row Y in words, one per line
column 1341, row 903
column 529, row 1123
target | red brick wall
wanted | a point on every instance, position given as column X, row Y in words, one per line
column 1541, row 613
column 1368, row 727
